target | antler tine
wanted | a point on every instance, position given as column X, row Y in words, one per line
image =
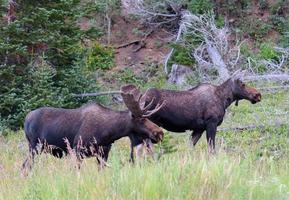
column 157, row 108
column 142, row 99
column 239, row 74
column 146, row 108
column 130, row 97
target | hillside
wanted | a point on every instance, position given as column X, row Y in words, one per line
column 66, row 53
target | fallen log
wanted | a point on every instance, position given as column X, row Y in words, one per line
column 271, row 77
column 251, row 127
column 96, row 94
column 140, row 41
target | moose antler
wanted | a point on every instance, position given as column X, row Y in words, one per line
column 135, row 101
column 239, row 74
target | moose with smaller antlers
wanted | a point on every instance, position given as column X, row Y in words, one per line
column 199, row 109
column 91, row 129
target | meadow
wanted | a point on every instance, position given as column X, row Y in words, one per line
column 248, row 164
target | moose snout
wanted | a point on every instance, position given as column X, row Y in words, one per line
column 256, row 98
column 158, row 136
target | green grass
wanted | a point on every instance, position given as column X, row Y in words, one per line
column 252, row 164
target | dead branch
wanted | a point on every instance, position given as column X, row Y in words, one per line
column 141, row 42
column 172, row 50
column 128, row 44
column 96, row 94
column 269, row 77
column 273, row 89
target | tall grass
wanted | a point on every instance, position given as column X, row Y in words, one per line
column 189, row 173
column 248, row 165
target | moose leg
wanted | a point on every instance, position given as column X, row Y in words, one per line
column 137, row 142
column 131, row 152
column 79, row 158
column 106, row 150
column 149, row 147
column 102, row 156
column 28, row 163
column 141, row 146
column 77, row 154
column 211, row 133
column 196, row 135
column 145, row 148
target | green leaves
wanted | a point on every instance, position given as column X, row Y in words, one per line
column 99, row 57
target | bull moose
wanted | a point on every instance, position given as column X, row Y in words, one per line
column 90, row 129
column 199, row 109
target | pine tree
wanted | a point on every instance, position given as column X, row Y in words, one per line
column 33, row 31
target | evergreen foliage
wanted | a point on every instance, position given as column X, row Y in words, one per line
column 40, row 57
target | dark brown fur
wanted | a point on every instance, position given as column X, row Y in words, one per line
column 199, row 109
column 90, row 130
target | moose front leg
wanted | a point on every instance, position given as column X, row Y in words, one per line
column 211, row 130
column 196, row 135
column 131, row 152
column 102, row 156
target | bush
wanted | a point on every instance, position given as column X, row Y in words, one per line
column 200, row 6
column 263, row 4
column 267, row 51
column 280, row 23
column 127, row 76
column 181, row 56
column 99, row 57
column 166, row 146
column 257, row 29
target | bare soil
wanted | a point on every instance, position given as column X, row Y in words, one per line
column 126, row 30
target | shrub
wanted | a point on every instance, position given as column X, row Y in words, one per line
column 280, row 23
column 128, row 76
column 166, row 146
column 267, row 51
column 182, row 56
column 200, row 6
column 263, row 4
column 257, row 29
column 99, row 57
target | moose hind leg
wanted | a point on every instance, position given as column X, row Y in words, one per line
column 211, row 130
column 28, row 162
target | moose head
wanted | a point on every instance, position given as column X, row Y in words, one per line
column 242, row 91
column 135, row 102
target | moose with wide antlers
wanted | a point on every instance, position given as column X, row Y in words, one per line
column 89, row 130
column 199, row 109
